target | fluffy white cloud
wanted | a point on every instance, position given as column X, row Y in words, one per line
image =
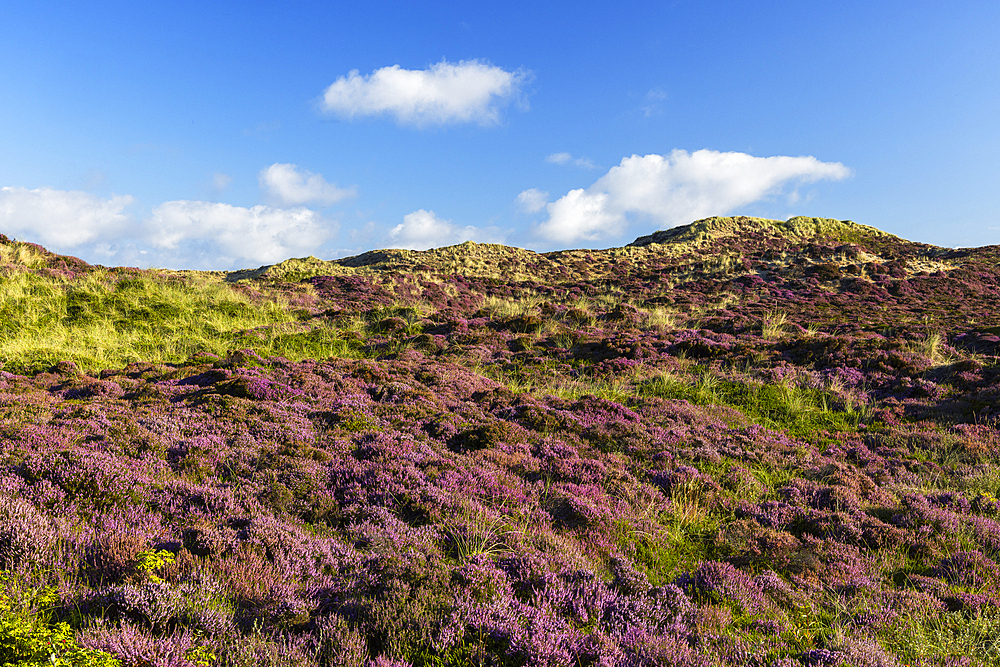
column 61, row 219
column 469, row 91
column 532, row 200
column 260, row 234
column 581, row 215
column 293, row 186
column 676, row 189
column 422, row 229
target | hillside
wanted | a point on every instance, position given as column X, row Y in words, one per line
column 738, row 442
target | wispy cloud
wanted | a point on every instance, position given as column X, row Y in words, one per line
column 567, row 158
column 291, row 186
column 652, row 105
column 422, row 229
column 463, row 92
column 61, row 219
column 220, row 182
column 676, row 189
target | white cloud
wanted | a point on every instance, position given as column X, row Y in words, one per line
column 652, row 106
column 422, row 229
column 566, row 158
column 532, row 200
column 221, row 181
column 469, row 91
column 676, row 189
column 61, row 219
column 292, row 186
column 581, row 215
column 259, row 234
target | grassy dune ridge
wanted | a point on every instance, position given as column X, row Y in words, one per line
column 108, row 318
column 740, row 442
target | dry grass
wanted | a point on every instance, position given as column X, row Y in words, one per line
column 661, row 319
column 772, row 325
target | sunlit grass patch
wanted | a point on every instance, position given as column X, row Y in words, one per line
column 773, row 325
column 105, row 320
column 932, row 640
column 932, row 347
column 509, row 308
column 796, row 410
column 661, row 319
column 21, row 254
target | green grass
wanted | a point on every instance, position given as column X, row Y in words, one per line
column 796, row 410
column 106, row 320
column 951, row 634
column 686, row 536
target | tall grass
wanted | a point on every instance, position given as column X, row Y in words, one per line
column 106, row 320
column 661, row 319
column 773, row 324
column 796, row 410
column 950, row 634
column 930, row 346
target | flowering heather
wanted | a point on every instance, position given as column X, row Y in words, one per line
column 741, row 442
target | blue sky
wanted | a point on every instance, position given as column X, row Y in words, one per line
column 183, row 135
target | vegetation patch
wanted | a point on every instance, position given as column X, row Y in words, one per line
column 741, row 442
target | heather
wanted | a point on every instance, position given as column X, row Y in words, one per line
column 740, row 442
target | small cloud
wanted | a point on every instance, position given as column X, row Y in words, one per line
column 676, row 189
column 61, row 219
column 291, row 186
column 260, row 234
column 532, row 200
column 463, row 92
column 422, row 229
column 652, row 107
column 221, row 181
column 566, row 158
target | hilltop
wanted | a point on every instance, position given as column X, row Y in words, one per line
column 738, row 442
column 724, row 242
